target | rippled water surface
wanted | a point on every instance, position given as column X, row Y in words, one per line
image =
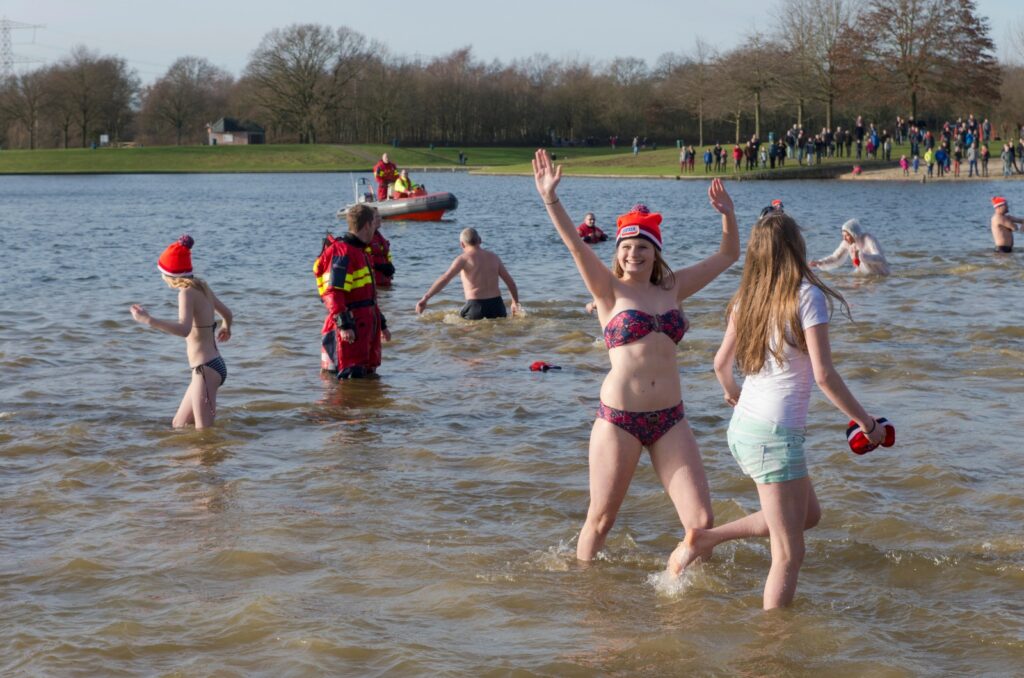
column 424, row 523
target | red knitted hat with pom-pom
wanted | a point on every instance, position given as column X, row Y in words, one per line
column 639, row 222
column 176, row 261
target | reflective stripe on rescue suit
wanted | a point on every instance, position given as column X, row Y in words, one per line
column 344, row 280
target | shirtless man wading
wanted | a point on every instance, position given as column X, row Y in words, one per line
column 480, row 271
column 1003, row 225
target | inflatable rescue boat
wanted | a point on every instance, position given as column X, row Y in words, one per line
column 416, row 206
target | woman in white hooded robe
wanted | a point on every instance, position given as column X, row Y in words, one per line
column 860, row 247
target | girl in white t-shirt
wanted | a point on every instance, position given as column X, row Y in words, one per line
column 778, row 337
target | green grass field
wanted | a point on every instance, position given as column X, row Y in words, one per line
column 599, row 161
column 265, row 158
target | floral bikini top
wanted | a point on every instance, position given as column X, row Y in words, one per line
column 633, row 325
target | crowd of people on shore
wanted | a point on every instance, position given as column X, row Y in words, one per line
column 776, row 336
column 956, row 147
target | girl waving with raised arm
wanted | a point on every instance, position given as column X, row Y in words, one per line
column 637, row 302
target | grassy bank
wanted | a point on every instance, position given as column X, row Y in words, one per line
column 602, row 161
column 266, row 158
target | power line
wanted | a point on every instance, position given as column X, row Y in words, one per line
column 7, row 56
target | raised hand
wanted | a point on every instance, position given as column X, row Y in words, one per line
column 719, row 197
column 546, row 175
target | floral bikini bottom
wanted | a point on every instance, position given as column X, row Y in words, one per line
column 646, row 427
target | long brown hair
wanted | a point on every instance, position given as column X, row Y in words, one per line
column 661, row 274
column 768, row 297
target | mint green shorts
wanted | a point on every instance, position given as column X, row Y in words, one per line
column 766, row 452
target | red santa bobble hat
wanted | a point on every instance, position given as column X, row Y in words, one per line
column 176, row 261
column 998, row 201
column 859, row 442
column 639, row 222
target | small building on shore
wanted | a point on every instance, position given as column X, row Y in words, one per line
column 232, row 132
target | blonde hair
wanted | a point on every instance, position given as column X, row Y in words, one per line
column 186, row 283
column 470, row 236
column 768, row 299
column 661, row 275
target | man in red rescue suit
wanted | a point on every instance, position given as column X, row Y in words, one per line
column 385, row 173
column 352, row 331
column 380, row 255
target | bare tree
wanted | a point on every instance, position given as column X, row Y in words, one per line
column 576, row 98
column 188, row 95
column 817, row 32
column 751, row 72
column 24, row 100
column 973, row 74
column 118, row 95
column 1007, row 116
column 80, row 84
column 697, row 83
column 924, row 47
column 299, row 74
column 380, row 97
column 628, row 96
column 447, row 88
column 688, row 81
column 88, row 91
column 60, row 108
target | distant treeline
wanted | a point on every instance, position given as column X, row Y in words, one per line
column 823, row 63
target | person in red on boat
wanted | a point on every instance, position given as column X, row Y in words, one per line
column 385, row 172
column 351, row 335
column 589, row 231
column 380, row 255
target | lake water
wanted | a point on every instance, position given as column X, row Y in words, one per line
column 424, row 523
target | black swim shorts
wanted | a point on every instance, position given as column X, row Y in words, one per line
column 478, row 309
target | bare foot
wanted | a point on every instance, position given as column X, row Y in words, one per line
column 688, row 551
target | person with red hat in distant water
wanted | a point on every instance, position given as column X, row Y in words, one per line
column 1003, row 225
column 197, row 305
column 641, row 399
column 352, row 331
column 386, row 173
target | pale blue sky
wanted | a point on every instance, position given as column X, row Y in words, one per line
column 151, row 35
